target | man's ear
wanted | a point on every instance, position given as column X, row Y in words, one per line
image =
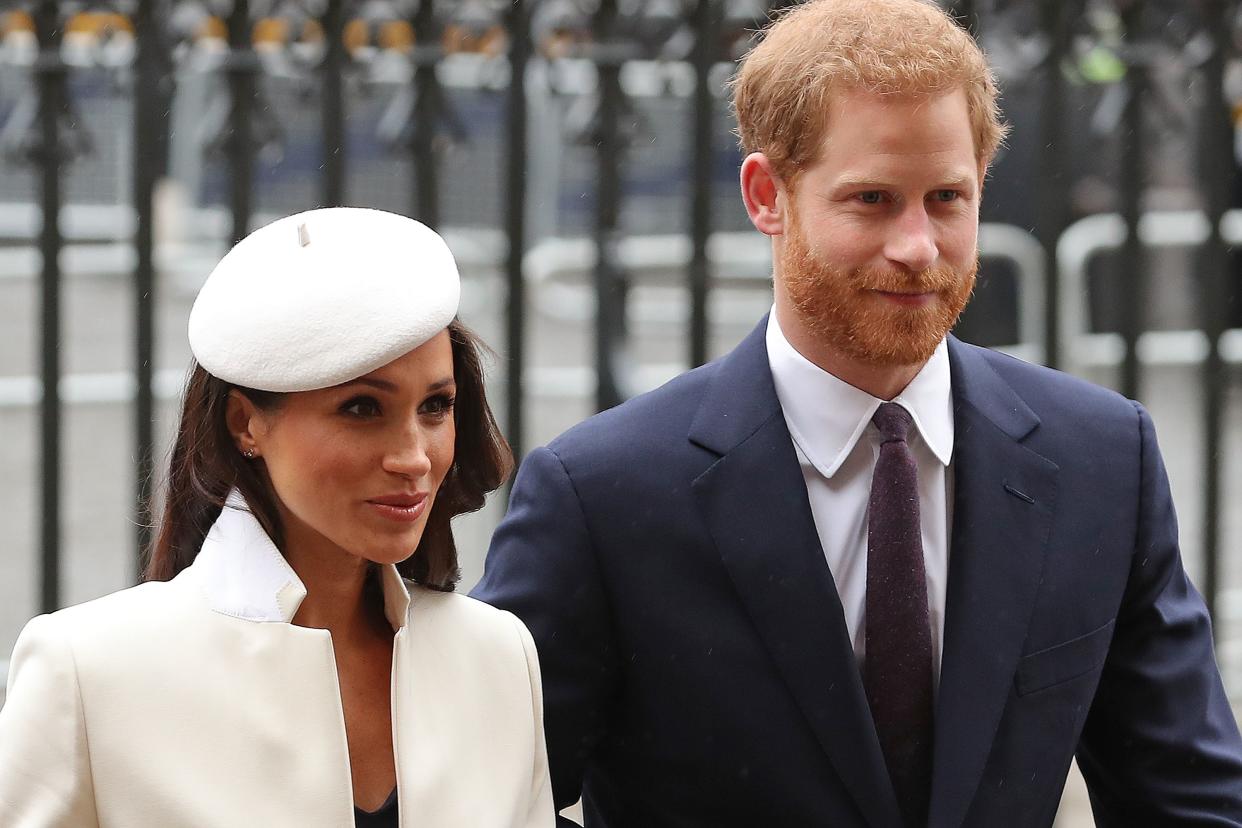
column 764, row 194
column 241, row 416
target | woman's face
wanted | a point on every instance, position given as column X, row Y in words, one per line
column 358, row 465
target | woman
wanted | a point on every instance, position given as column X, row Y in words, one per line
column 297, row 656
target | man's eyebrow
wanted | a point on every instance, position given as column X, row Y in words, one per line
column 960, row 181
column 854, row 182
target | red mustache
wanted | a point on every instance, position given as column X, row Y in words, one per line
column 886, row 280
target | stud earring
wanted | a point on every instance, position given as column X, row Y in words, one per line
column 248, row 454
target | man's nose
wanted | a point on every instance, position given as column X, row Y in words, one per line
column 911, row 242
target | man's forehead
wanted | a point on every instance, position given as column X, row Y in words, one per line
column 897, row 112
column 899, row 129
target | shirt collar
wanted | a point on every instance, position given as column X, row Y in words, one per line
column 826, row 415
column 243, row 574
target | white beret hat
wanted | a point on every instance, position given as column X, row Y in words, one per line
column 322, row 297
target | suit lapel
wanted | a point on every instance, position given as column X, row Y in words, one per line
column 754, row 502
column 1004, row 496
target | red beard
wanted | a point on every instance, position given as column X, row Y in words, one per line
column 839, row 308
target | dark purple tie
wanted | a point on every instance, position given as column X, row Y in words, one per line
column 897, row 663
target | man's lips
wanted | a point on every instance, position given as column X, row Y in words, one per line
column 404, row 508
column 906, row 297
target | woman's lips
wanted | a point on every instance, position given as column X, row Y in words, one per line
column 401, row 508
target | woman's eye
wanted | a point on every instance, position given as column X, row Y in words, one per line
column 438, row 406
column 362, row 407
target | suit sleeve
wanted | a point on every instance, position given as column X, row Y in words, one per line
column 45, row 776
column 542, row 567
column 1161, row 745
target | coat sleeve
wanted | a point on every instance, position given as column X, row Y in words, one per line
column 45, row 775
column 542, row 567
column 1161, row 745
column 541, row 808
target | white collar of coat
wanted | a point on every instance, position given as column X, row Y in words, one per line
column 243, row 574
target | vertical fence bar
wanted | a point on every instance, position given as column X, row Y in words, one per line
column 515, row 220
column 243, row 68
column 1215, row 160
column 332, row 108
column 427, row 90
column 147, row 156
column 51, row 74
column 609, row 280
column 1130, row 190
column 706, row 21
column 1050, row 187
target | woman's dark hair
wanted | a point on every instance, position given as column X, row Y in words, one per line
column 206, row 465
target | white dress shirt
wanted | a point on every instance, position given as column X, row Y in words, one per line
column 837, row 445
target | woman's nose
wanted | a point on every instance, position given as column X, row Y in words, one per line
column 408, row 455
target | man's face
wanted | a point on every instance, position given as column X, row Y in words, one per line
column 879, row 251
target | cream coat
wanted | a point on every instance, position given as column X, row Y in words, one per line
column 197, row 703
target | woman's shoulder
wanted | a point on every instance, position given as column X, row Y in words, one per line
column 425, row 602
column 113, row 618
column 466, row 649
column 455, row 616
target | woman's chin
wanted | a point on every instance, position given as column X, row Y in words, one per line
column 389, row 555
column 386, row 548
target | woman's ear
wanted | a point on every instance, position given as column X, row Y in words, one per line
column 763, row 192
column 241, row 416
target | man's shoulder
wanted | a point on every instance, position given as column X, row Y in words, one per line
column 1049, row 391
column 651, row 420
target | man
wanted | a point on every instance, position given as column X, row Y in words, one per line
column 858, row 573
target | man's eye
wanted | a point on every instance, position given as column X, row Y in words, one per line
column 362, row 407
column 945, row 195
column 871, row 197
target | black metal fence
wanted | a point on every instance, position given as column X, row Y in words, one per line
column 1102, row 93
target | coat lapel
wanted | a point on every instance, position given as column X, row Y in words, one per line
column 754, row 502
column 1004, row 496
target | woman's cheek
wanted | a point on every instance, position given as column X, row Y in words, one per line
column 336, row 454
column 447, row 440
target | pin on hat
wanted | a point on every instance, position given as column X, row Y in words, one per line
column 322, row 297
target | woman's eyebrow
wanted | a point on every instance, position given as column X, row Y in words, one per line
column 391, row 387
column 383, row 385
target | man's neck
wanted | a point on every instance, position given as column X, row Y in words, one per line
column 881, row 381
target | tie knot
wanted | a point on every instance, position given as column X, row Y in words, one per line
column 893, row 421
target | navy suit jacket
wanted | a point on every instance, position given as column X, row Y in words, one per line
column 696, row 664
